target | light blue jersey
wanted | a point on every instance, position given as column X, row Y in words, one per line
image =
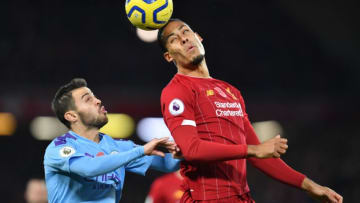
column 80, row 170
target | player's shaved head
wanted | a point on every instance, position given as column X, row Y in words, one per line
column 63, row 100
column 163, row 39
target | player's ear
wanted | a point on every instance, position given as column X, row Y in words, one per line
column 198, row 36
column 71, row 116
column 168, row 57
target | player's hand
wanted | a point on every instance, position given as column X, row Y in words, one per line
column 150, row 147
column 272, row 148
column 176, row 153
column 321, row 193
column 169, row 145
column 173, row 149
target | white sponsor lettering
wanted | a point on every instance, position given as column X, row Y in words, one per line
column 227, row 105
column 222, row 106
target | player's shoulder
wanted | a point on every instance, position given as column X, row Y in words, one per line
column 62, row 146
column 178, row 82
column 63, row 140
column 177, row 87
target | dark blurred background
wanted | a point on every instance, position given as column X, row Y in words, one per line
column 296, row 62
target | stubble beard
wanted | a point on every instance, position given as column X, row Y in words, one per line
column 197, row 59
column 95, row 122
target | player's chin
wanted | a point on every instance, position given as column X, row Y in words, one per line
column 197, row 59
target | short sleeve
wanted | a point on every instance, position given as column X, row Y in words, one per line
column 58, row 156
column 177, row 105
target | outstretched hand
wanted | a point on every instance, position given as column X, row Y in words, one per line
column 176, row 153
column 150, row 147
column 174, row 149
column 321, row 193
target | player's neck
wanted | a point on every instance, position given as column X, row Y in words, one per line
column 87, row 132
column 200, row 71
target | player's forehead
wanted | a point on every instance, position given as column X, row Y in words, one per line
column 80, row 93
column 173, row 27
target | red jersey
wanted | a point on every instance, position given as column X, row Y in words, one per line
column 208, row 121
column 217, row 110
column 166, row 189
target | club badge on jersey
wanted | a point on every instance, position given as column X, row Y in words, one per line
column 67, row 151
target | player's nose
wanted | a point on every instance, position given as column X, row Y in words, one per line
column 184, row 40
column 97, row 101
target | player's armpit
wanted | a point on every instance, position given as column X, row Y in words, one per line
column 195, row 149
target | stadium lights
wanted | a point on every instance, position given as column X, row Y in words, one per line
column 119, row 126
column 150, row 128
column 267, row 129
column 147, row 36
column 46, row 128
column 7, row 124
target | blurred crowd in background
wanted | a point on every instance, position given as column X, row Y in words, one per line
column 295, row 62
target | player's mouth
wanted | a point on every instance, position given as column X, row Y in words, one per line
column 103, row 110
column 190, row 48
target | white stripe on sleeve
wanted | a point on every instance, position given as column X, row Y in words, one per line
column 188, row 122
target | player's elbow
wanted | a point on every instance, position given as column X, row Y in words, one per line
column 192, row 156
column 192, row 152
column 90, row 172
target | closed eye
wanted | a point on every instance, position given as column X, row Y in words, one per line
column 173, row 39
column 185, row 31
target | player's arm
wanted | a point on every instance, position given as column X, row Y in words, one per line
column 274, row 167
column 165, row 164
column 88, row 166
column 178, row 111
column 279, row 170
column 177, row 103
column 195, row 149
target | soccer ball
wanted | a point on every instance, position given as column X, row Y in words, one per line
column 149, row 14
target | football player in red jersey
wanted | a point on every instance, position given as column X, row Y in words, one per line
column 166, row 189
column 208, row 120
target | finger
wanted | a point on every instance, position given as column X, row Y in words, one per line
column 281, row 151
column 169, row 143
column 160, row 141
column 164, row 139
column 284, row 146
column 158, row 153
column 338, row 197
column 331, row 197
column 283, row 140
column 276, row 155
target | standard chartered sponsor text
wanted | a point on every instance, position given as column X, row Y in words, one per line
column 228, row 105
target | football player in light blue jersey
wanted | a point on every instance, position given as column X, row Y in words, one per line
column 85, row 165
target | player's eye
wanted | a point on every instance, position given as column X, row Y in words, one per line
column 173, row 40
column 185, row 31
column 88, row 98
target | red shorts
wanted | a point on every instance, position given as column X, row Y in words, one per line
column 244, row 198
